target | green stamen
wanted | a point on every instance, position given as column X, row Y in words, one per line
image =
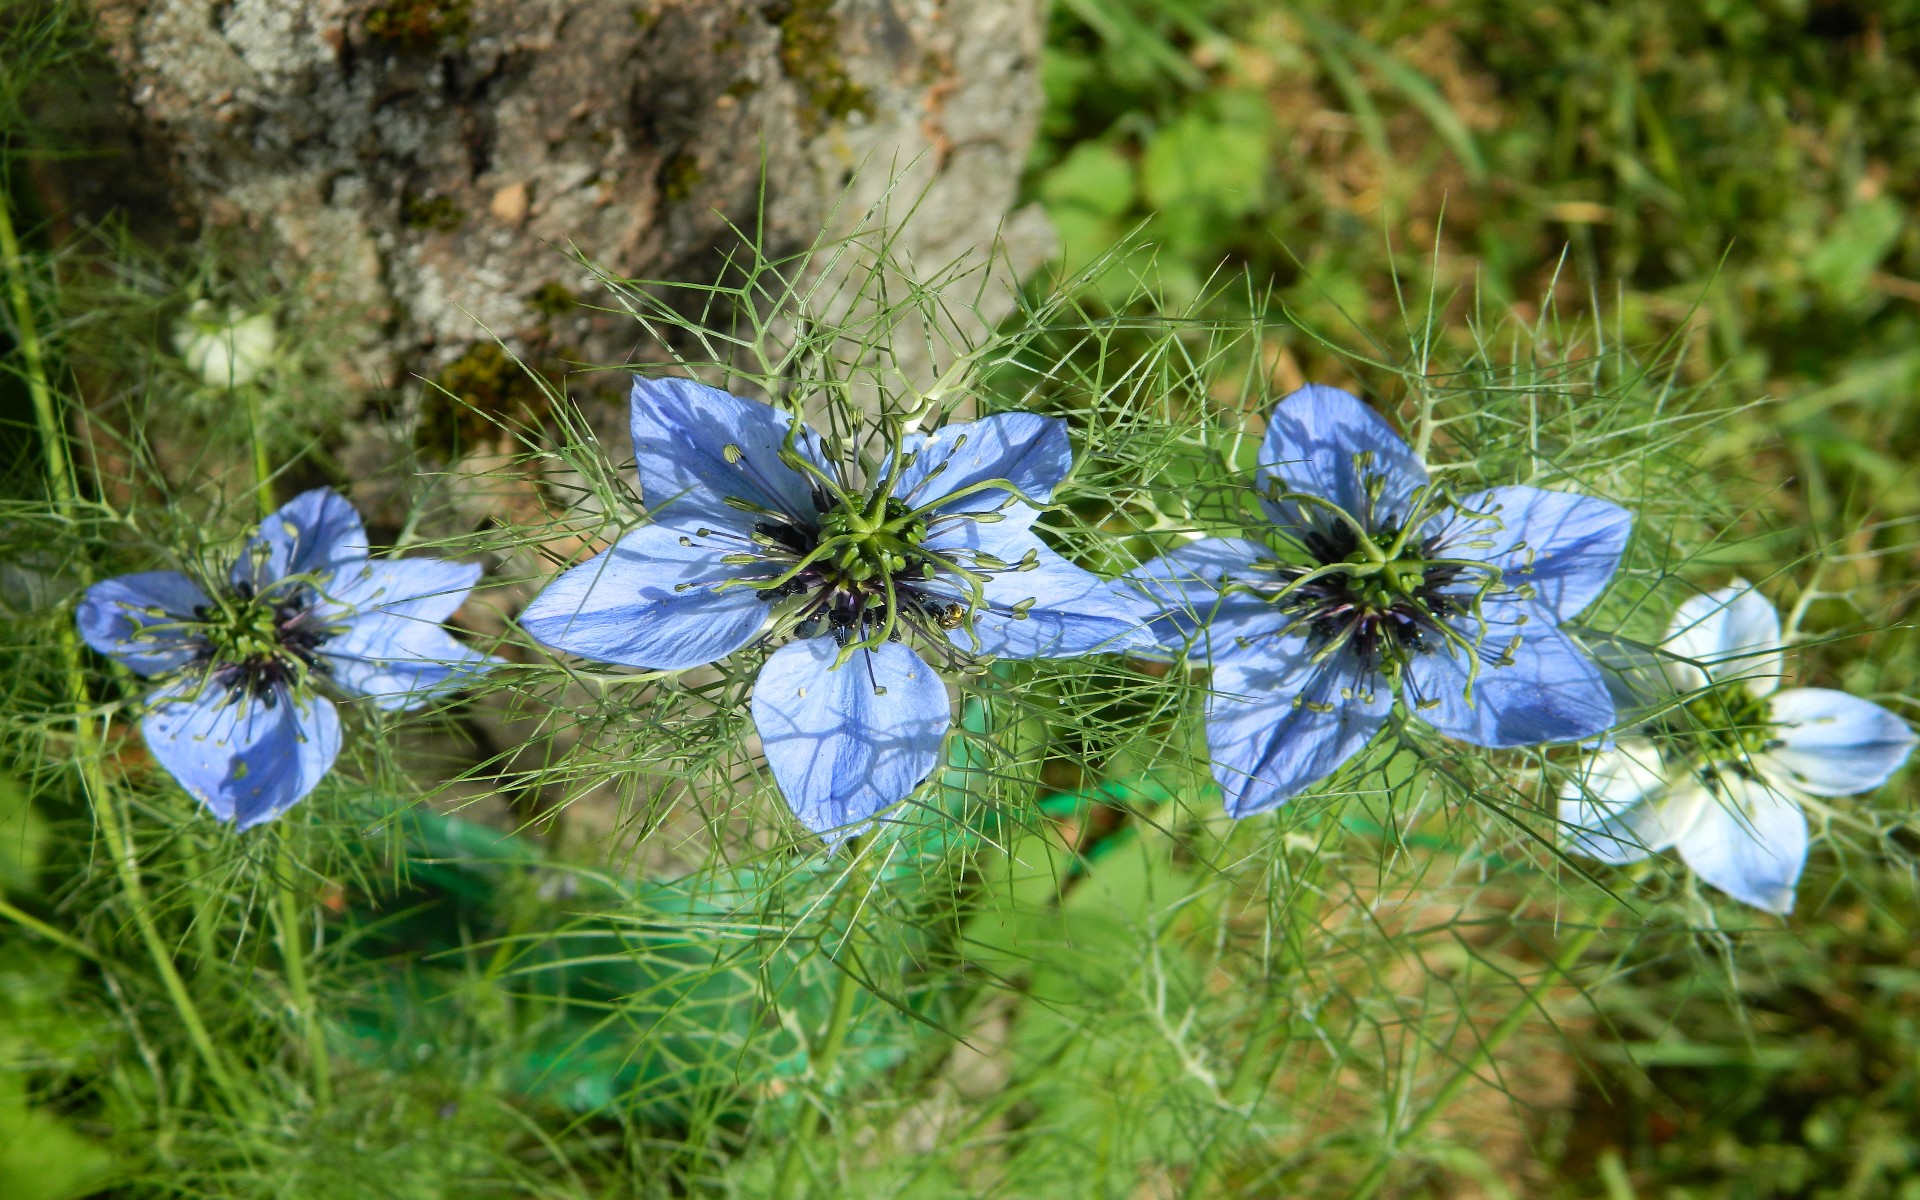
column 1730, row 723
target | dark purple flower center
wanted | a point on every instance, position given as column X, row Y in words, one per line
column 866, row 569
column 254, row 643
column 863, row 572
column 1382, row 609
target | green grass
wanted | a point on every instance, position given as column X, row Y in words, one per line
column 1665, row 253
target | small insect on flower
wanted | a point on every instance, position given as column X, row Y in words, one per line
column 242, row 655
column 757, row 529
column 1380, row 581
column 1722, row 786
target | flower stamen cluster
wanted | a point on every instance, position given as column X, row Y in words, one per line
column 1726, row 725
column 256, row 643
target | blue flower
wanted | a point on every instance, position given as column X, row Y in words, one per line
column 1381, row 582
column 1726, row 792
column 237, row 718
column 756, row 529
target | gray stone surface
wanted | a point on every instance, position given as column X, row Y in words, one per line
column 418, row 168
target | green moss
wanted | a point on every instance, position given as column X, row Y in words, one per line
column 480, row 396
column 440, row 213
column 419, row 24
column 809, row 54
column 678, row 177
column 552, row 300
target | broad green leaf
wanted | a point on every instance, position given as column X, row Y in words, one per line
column 1095, row 177
column 1201, row 161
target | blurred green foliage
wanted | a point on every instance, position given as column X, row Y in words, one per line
column 1748, row 169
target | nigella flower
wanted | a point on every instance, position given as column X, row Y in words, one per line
column 1380, row 582
column 1725, row 792
column 756, row 530
column 238, row 718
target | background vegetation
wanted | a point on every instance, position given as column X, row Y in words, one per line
column 1101, row 988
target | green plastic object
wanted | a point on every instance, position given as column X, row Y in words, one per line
column 652, row 998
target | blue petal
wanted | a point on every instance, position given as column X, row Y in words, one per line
column 1030, row 452
column 391, row 647
column 315, row 533
column 1749, row 841
column 1069, row 611
column 1564, row 545
column 1324, row 442
column 399, row 662
column 1534, row 685
column 1832, row 744
column 844, row 744
column 1616, row 810
column 1730, row 633
column 144, row 620
column 244, row 759
column 695, row 446
column 1191, row 615
column 1277, row 726
column 419, row 589
column 650, row 601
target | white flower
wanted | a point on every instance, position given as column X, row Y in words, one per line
column 1733, row 811
column 225, row 349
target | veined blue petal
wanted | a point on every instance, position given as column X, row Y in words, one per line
column 1750, row 841
column 695, row 446
column 845, row 744
column 1324, row 442
column 143, row 620
column 651, row 601
column 400, row 662
column 1067, row 612
column 1833, row 744
column 1533, row 685
column 1072, row 611
column 246, row 759
column 419, row 589
column 1618, row 808
column 315, row 533
column 1726, row 634
column 1278, row 725
column 1565, row 546
column 1192, row 616
column 1030, row 452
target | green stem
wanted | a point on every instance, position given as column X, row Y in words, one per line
column 63, row 484
column 1251, row 1074
column 60, row 473
column 34, row 924
column 262, row 465
column 822, row 1070
column 287, row 920
column 1563, row 964
column 1239, row 1086
column 127, row 865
